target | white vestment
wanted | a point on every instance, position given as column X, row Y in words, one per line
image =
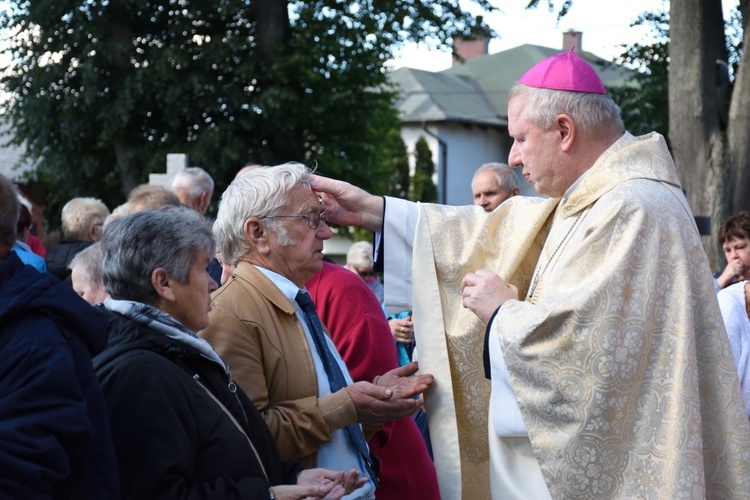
column 617, row 359
column 734, row 312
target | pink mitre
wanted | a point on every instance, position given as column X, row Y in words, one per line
column 566, row 71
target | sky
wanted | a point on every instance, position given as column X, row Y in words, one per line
column 605, row 25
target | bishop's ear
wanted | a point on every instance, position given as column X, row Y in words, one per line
column 566, row 128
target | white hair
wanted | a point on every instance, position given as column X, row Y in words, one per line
column 89, row 263
column 258, row 193
column 506, row 179
column 360, row 257
column 79, row 214
column 591, row 112
column 194, row 181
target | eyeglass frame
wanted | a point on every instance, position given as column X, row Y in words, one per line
column 313, row 219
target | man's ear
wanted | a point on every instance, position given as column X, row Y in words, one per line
column 93, row 233
column 566, row 127
column 257, row 234
column 203, row 201
column 163, row 283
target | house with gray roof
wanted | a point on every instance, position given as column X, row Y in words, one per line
column 462, row 112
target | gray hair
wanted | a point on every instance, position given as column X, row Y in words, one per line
column 360, row 257
column 258, row 193
column 591, row 112
column 149, row 197
column 89, row 262
column 79, row 214
column 118, row 212
column 137, row 244
column 506, row 179
column 9, row 209
column 194, row 181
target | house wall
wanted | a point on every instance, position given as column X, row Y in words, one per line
column 10, row 156
column 467, row 147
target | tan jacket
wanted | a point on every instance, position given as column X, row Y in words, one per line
column 254, row 328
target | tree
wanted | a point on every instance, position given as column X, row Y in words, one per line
column 422, row 186
column 709, row 114
column 396, row 167
column 712, row 154
column 645, row 102
column 100, row 91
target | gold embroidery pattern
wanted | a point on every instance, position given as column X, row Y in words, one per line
column 622, row 367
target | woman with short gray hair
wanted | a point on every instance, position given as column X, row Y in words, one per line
column 180, row 425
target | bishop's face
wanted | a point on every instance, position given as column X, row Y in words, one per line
column 537, row 151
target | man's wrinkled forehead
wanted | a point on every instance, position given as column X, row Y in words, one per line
column 303, row 199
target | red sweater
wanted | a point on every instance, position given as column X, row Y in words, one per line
column 357, row 323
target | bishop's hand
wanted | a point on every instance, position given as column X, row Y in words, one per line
column 484, row 291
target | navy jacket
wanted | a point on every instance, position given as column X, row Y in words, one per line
column 54, row 432
column 171, row 438
column 59, row 256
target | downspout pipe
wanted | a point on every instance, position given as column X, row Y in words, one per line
column 442, row 168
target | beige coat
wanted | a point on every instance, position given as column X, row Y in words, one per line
column 254, row 328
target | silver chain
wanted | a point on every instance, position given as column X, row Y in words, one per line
column 540, row 271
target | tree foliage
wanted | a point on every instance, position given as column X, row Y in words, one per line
column 396, row 167
column 694, row 87
column 101, row 91
column 423, row 188
column 644, row 101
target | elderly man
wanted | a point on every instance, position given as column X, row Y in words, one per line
column 82, row 222
column 492, row 184
column 149, row 197
column 86, row 275
column 360, row 261
column 611, row 373
column 53, row 422
column 194, row 187
column 271, row 227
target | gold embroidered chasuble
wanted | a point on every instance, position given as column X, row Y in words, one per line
column 618, row 360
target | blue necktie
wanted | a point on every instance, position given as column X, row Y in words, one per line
column 335, row 377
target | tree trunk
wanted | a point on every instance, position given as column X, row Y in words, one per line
column 120, row 38
column 699, row 146
column 126, row 166
column 272, row 23
column 739, row 127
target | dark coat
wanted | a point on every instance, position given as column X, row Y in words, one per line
column 59, row 256
column 172, row 440
column 54, row 433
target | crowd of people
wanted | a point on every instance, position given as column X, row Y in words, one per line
column 571, row 345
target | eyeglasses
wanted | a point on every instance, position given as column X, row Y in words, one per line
column 313, row 220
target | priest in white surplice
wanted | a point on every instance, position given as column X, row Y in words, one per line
column 611, row 373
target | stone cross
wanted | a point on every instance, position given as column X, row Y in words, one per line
column 175, row 163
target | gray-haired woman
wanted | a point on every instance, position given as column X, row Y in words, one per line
column 180, row 425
